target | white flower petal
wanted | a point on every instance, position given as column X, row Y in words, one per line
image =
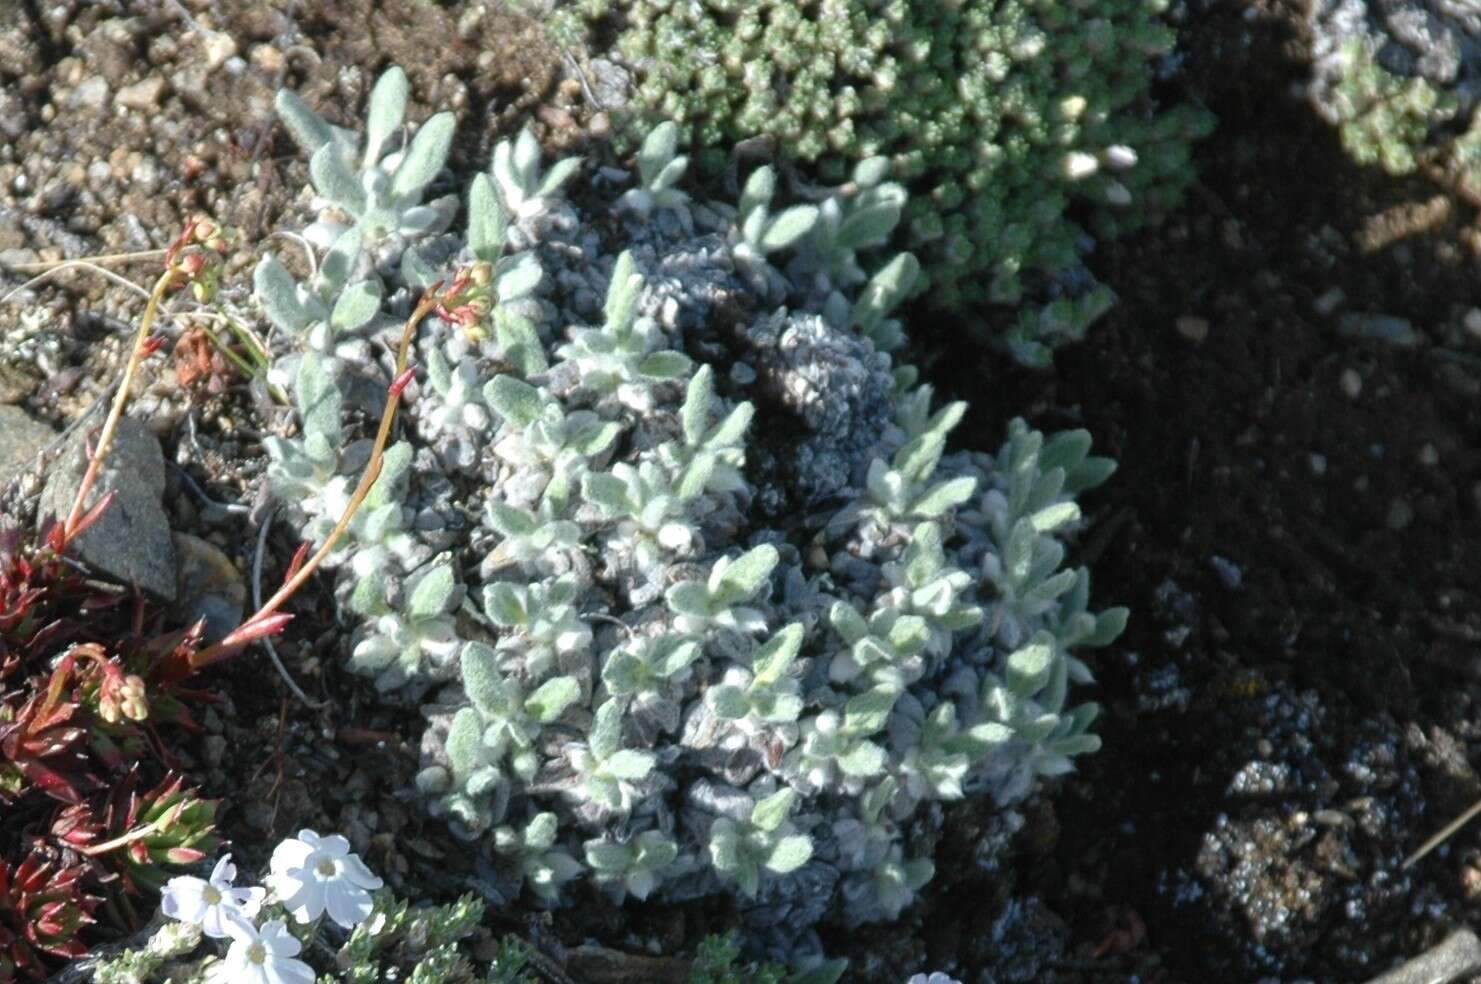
column 290, row 854
column 224, row 873
column 280, row 942
column 356, row 873
column 334, row 845
column 183, row 899
column 349, row 906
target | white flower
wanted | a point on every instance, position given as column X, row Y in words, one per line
column 313, row 874
column 936, row 977
column 261, row 957
column 211, row 904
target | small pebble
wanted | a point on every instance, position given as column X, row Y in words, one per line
column 1193, row 328
column 1428, row 455
column 141, row 95
column 1329, row 301
column 1351, row 383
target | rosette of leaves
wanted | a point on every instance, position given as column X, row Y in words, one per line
column 414, row 640
column 625, row 356
column 741, row 850
column 646, row 635
column 632, row 868
column 525, row 188
column 43, row 906
column 166, row 825
column 542, row 865
column 660, row 168
column 327, row 315
column 377, row 190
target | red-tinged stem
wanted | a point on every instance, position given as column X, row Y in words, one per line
column 71, row 527
column 251, row 629
column 125, row 840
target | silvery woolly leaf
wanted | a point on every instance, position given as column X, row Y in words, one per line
column 863, row 760
column 608, row 856
column 415, row 269
column 1054, row 517
column 357, row 305
column 505, row 605
column 658, row 150
column 673, row 653
column 539, row 833
column 628, row 764
column 868, row 226
column 523, row 274
column 1088, row 474
column 482, row 680
column 308, row 128
column 728, row 702
column 432, row 593
column 1065, row 450
column 508, row 520
column 744, row 576
column 770, row 813
column 551, row 699
column 1029, row 667
column 699, row 400
column 339, row 262
column 516, row 400
column 560, row 172
column 788, row 227
column 758, row 192
column 424, row 158
column 889, row 286
column 789, row 854
column 520, row 342
column 689, row 598
column 621, row 673
column 663, row 183
column 276, row 291
column 488, row 222
column 664, row 365
column 606, row 730
column 387, row 110
column 465, row 742
column 607, row 492
column 622, row 294
column 729, row 431
column 847, row 621
column 868, row 712
column 334, row 182
column 946, row 496
column 773, row 658
column 696, row 477
column 871, row 171
column 526, row 159
column 1109, row 624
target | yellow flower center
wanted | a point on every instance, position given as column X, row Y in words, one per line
column 212, row 895
column 327, row 868
column 257, row 953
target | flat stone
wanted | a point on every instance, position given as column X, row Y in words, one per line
column 131, row 540
column 141, row 95
column 21, row 439
column 208, row 587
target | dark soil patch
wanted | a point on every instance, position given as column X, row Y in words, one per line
column 1293, row 526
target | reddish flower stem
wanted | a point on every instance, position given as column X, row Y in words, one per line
column 251, row 628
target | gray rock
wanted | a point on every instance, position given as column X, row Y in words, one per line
column 141, row 95
column 131, row 541
column 21, row 439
